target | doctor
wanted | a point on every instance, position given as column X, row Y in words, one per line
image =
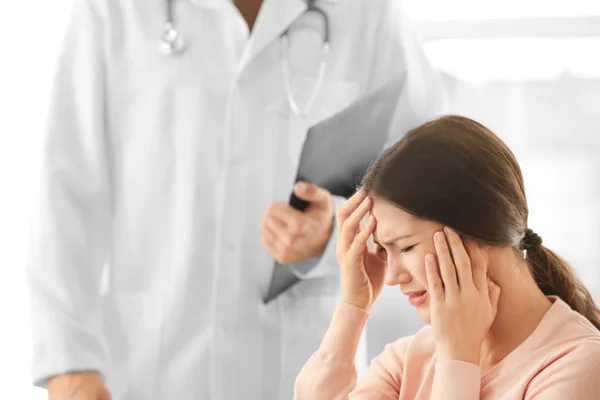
column 165, row 175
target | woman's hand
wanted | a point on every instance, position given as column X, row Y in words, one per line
column 361, row 271
column 463, row 302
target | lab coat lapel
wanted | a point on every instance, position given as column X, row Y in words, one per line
column 274, row 18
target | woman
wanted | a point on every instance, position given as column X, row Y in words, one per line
column 508, row 318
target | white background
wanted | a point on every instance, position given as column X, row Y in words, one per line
column 541, row 94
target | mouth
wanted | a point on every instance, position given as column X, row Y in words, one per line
column 417, row 298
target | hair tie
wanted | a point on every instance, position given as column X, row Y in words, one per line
column 531, row 240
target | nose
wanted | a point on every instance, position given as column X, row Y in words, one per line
column 396, row 274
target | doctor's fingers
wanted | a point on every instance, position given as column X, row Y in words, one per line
column 290, row 227
column 274, row 223
column 269, row 239
column 295, row 220
column 279, row 230
column 280, row 247
column 87, row 393
column 104, row 396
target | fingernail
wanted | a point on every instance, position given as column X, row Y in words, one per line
column 429, row 258
column 439, row 236
column 301, row 186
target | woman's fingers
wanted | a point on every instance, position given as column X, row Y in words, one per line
column 351, row 225
column 447, row 269
column 494, row 294
column 360, row 240
column 478, row 265
column 346, row 210
column 462, row 262
column 434, row 280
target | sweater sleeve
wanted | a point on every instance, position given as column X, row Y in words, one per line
column 574, row 375
column 456, row 380
column 330, row 374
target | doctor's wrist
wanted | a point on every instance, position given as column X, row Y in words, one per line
column 77, row 385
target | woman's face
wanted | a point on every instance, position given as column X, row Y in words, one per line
column 404, row 240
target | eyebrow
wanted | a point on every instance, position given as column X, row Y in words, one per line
column 391, row 242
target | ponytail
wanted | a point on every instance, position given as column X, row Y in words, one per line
column 555, row 277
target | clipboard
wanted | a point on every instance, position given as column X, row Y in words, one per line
column 338, row 151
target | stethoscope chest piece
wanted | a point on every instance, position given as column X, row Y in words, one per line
column 170, row 42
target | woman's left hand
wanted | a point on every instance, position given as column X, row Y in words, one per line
column 463, row 301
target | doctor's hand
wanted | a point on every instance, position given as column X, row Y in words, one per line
column 77, row 386
column 362, row 272
column 290, row 235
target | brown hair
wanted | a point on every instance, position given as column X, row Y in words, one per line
column 455, row 171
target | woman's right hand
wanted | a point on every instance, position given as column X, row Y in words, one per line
column 361, row 272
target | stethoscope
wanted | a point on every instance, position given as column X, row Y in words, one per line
column 171, row 43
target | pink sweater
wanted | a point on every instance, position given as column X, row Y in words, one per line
column 560, row 360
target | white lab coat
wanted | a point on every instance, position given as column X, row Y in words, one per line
column 157, row 169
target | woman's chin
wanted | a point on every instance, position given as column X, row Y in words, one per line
column 424, row 314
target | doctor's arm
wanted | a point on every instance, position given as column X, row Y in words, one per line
column 70, row 232
column 303, row 240
column 325, row 264
column 397, row 50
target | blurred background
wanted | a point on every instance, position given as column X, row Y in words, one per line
column 527, row 69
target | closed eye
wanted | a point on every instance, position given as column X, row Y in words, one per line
column 381, row 249
column 407, row 249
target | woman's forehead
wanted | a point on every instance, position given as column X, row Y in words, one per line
column 392, row 220
column 385, row 207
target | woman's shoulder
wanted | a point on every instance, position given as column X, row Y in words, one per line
column 570, row 369
column 569, row 326
column 569, row 334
